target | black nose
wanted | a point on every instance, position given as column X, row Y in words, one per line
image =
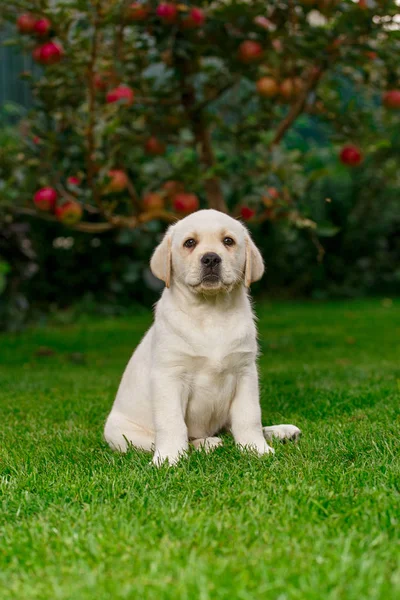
column 210, row 259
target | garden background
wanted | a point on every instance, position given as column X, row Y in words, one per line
column 116, row 119
column 328, row 226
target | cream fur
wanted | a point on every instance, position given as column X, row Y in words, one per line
column 194, row 373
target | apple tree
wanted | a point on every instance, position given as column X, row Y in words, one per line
column 150, row 110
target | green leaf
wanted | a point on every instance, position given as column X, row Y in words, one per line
column 327, row 230
column 4, row 269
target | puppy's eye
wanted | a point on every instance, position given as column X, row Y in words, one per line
column 190, row 243
column 228, row 241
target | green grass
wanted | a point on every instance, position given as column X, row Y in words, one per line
column 319, row 520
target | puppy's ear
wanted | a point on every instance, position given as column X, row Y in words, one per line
column 161, row 261
column 254, row 268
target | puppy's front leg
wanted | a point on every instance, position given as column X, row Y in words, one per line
column 245, row 414
column 169, row 405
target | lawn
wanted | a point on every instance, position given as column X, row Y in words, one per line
column 319, row 520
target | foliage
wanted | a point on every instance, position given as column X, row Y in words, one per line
column 358, row 227
column 193, row 99
column 317, row 520
column 256, row 133
column 17, row 256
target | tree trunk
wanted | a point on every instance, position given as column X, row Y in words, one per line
column 202, row 135
column 212, row 185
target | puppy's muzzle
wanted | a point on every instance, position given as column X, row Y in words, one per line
column 211, row 266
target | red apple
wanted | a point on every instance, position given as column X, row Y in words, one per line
column 138, row 12
column 185, row 203
column 99, row 82
column 263, row 22
column 277, row 45
column 36, row 139
column 171, row 187
column 45, row 199
column 48, row 54
column 74, row 180
column 154, row 146
column 273, row 193
column 26, row 23
column 351, row 155
column 391, row 99
column 42, row 27
column 247, row 213
column 267, row 87
column 271, row 197
column 122, row 93
column 290, row 87
column 153, row 201
column 118, row 181
column 250, row 51
column 167, row 12
column 195, row 18
column 69, row 213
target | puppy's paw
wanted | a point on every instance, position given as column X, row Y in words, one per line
column 161, row 458
column 264, row 449
column 282, row 432
column 260, row 447
column 207, row 444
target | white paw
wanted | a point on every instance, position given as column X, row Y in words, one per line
column 260, row 447
column 207, row 444
column 160, row 458
column 265, row 449
column 282, row 432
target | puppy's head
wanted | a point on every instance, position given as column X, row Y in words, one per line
column 209, row 252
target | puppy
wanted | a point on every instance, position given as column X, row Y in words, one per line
column 194, row 373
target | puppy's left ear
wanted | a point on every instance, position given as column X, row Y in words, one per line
column 254, row 268
column 161, row 261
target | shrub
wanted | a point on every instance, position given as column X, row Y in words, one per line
column 201, row 94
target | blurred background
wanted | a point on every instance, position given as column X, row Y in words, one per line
column 117, row 118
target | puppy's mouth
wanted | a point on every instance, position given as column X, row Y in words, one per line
column 210, row 279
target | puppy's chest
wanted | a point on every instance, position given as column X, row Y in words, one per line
column 219, row 348
column 215, row 359
column 215, row 363
column 213, row 380
column 210, row 396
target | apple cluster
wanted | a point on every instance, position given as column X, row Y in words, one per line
column 68, row 212
column 172, row 193
column 254, row 47
column 47, row 53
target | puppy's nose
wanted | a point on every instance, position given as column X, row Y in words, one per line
column 210, row 259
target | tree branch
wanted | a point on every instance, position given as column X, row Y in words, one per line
column 90, row 141
column 215, row 96
column 81, row 226
column 298, row 107
column 119, row 39
column 134, row 195
column 114, row 222
column 203, row 138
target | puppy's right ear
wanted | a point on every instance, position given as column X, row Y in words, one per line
column 161, row 261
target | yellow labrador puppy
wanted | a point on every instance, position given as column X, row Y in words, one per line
column 194, row 373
